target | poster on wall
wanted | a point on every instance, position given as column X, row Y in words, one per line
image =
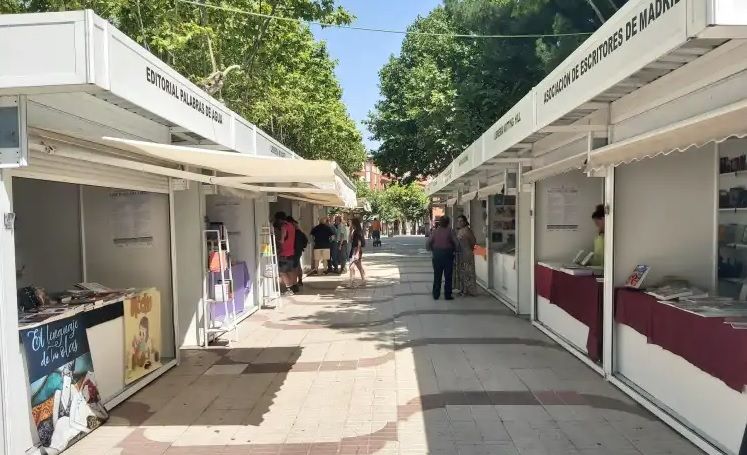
column 131, row 218
column 562, row 208
column 226, row 211
column 142, row 329
column 65, row 401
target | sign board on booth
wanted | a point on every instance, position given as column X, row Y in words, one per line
column 511, row 128
column 640, row 33
column 65, row 401
column 142, row 329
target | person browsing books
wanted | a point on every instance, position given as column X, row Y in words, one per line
column 598, row 217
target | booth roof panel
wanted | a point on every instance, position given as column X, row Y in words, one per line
column 715, row 126
column 78, row 51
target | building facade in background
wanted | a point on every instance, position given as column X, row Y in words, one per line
column 372, row 175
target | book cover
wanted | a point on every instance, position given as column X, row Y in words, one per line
column 635, row 280
column 579, row 257
column 587, row 259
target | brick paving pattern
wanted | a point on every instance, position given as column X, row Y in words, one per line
column 383, row 369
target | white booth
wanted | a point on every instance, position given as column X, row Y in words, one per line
column 647, row 117
column 102, row 264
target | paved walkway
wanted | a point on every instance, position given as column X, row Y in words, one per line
column 383, row 369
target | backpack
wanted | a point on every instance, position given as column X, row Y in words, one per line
column 301, row 241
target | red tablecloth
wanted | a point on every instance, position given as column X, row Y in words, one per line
column 708, row 343
column 579, row 296
column 543, row 280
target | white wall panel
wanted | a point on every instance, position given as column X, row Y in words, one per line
column 188, row 213
column 139, row 267
column 665, row 217
column 47, row 239
column 562, row 246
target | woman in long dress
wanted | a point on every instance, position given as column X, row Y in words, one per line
column 464, row 279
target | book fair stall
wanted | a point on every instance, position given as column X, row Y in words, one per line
column 647, row 118
column 488, row 182
column 679, row 322
column 105, row 194
column 568, row 271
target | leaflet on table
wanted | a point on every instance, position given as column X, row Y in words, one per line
column 573, row 269
column 670, row 292
column 711, row 307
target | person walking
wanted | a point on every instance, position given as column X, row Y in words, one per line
column 442, row 243
column 357, row 243
column 343, row 239
column 322, row 235
column 337, row 259
column 376, row 232
column 300, row 245
column 465, row 279
column 287, row 250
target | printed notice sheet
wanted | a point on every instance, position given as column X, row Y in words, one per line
column 132, row 221
column 562, row 208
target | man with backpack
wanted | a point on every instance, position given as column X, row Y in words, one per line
column 301, row 243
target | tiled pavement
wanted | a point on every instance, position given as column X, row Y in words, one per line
column 387, row 370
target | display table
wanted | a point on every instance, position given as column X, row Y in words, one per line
column 579, row 296
column 706, row 342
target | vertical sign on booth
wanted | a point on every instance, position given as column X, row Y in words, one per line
column 65, row 401
column 142, row 319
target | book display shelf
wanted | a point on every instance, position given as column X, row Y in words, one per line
column 503, row 230
column 732, row 219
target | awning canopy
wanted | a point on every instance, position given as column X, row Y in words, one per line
column 491, row 189
column 467, row 197
column 317, row 181
column 556, row 168
column 714, row 126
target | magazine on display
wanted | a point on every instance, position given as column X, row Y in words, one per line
column 635, row 280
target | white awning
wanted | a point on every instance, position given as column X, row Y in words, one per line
column 715, row 126
column 317, row 181
column 556, row 168
column 467, row 197
column 451, row 202
column 490, row 190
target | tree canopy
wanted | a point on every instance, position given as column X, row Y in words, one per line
column 440, row 93
column 273, row 73
column 395, row 202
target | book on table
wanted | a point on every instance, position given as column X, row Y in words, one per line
column 635, row 280
column 666, row 293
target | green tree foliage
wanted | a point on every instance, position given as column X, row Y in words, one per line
column 273, row 73
column 395, row 202
column 441, row 93
column 409, row 202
